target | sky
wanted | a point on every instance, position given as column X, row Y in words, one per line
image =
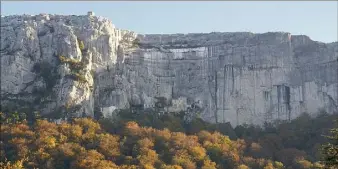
column 316, row 19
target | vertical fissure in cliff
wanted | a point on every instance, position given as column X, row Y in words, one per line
column 216, row 88
column 224, row 87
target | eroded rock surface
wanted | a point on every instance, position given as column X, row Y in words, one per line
column 77, row 64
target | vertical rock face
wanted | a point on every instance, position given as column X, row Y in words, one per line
column 32, row 74
column 237, row 77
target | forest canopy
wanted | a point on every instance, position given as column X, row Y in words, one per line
column 134, row 141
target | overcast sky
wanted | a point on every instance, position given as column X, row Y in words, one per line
column 315, row 19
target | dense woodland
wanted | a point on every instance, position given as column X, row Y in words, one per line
column 135, row 140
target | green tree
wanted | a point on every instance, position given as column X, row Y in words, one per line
column 330, row 150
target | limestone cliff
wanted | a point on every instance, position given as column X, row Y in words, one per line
column 75, row 64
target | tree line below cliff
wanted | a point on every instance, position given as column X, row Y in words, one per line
column 148, row 140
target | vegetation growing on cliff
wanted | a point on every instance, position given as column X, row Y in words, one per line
column 126, row 144
column 136, row 42
column 49, row 75
column 77, row 67
column 36, row 93
column 81, row 44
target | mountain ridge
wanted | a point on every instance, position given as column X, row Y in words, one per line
column 165, row 34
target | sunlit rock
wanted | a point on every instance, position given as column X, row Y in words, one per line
column 224, row 77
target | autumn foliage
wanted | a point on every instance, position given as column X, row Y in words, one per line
column 86, row 144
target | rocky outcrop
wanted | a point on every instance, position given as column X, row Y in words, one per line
column 32, row 74
column 82, row 64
